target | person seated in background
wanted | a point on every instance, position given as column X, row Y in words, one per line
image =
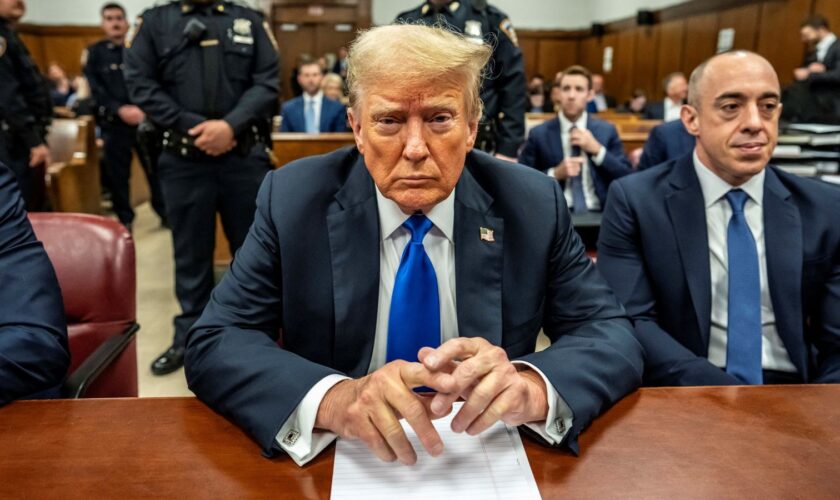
column 637, row 103
column 815, row 96
column 538, row 101
column 362, row 326
column 34, row 357
column 61, row 89
column 676, row 88
column 81, row 103
column 666, row 141
column 311, row 112
column 332, row 86
column 340, row 66
column 582, row 152
column 729, row 266
column 599, row 101
column 555, row 97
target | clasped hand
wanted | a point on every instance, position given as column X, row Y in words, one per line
column 493, row 388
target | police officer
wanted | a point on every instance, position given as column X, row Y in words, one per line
column 25, row 106
column 206, row 72
column 116, row 116
column 502, row 129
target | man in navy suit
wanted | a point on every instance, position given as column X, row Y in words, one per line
column 676, row 87
column 665, row 142
column 817, row 88
column 414, row 261
column 311, row 112
column 33, row 334
column 729, row 267
column 582, row 152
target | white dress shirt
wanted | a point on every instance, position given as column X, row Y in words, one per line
column 672, row 110
column 297, row 436
column 774, row 356
column 823, row 45
column 316, row 101
column 592, row 201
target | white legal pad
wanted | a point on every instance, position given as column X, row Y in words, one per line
column 490, row 465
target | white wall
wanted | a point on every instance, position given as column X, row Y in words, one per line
column 531, row 14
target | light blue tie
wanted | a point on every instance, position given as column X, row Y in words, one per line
column 743, row 343
column 311, row 126
column 414, row 318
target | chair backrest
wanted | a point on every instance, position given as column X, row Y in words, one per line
column 95, row 263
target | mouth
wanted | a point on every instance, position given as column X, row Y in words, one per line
column 750, row 148
column 416, row 181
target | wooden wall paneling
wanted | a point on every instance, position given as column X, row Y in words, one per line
column 624, row 52
column 591, row 53
column 529, row 46
column 669, row 54
column 745, row 21
column 778, row 36
column 644, row 62
column 556, row 55
column 700, row 40
column 830, row 9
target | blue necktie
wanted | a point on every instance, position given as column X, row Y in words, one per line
column 414, row 319
column 743, row 343
column 578, row 198
column 311, row 126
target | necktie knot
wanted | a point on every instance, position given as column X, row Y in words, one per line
column 737, row 198
column 419, row 225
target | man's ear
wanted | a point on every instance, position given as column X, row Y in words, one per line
column 356, row 127
column 689, row 117
column 473, row 132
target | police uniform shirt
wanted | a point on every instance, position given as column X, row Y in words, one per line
column 503, row 93
column 103, row 68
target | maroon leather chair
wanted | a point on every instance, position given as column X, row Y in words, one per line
column 94, row 260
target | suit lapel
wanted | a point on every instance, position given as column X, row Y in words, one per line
column 555, row 143
column 300, row 114
column 354, row 253
column 323, row 124
column 783, row 250
column 478, row 263
column 687, row 211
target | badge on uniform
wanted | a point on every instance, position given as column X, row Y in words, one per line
column 242, row 31
column 3, row 45
column 507, row 28
column 472, row 30
column 486, row 234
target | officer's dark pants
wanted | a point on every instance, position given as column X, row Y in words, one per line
column 194, row 191
column 16, row 157
column 119, row 141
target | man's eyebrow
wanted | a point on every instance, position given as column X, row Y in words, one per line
column 730, row 95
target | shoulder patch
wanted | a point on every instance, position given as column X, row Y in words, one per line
column 84, row 58
column 3, row 45
column 507, row 28
column 138, row 23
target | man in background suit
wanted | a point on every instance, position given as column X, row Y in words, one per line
column 599, row 101
column 311, row 112
column 666, row 141
column 729, row 267
column 358, row 257
column 676, row 88
column 819, row 76
column 582, row 152
column 33, row 333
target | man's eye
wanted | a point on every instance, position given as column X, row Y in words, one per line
column 441, row 118
column 729, row 107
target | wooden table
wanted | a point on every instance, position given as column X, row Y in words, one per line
column 731, row 442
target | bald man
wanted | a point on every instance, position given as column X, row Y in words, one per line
column 728, row 266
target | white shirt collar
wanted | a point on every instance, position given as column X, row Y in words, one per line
column 826, row 42
column 317, row 97
column 566, row 124
column 714, row 188
column 391, row 217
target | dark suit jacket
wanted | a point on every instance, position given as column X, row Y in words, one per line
column 33, row 331
column 825, row 87
column 333, row 116
column 544, row 150
column 653, row 249
column 310, row 266
column 654, row 111
column 591, row 107
column 666, row 141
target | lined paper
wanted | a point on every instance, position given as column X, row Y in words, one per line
column 490, row 465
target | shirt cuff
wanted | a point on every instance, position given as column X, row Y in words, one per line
column 558, row 421
column 598, row 159
column 298, row 437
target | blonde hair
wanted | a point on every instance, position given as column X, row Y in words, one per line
column 331, row 78
column 414, row 54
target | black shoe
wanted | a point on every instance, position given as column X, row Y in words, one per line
column 169, row 361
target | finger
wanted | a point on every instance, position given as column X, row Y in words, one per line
column 389, row 427
column 505, row 407
column 448, row 367
column 477, row 367
column 480, row 400
column 451, row 350
column 426, row 400
column 198, row 129
column 372, row 438
column 414, row 412
column 416, row 375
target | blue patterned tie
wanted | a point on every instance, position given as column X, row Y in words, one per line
column 311, row 126
column 743, row 343
column 578, row 198
column 414, row 319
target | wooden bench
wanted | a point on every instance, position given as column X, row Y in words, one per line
column 73, row 175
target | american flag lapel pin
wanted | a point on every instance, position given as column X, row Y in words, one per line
column 486, row 234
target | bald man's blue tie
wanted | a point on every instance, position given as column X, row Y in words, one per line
column 578, row 198
column 743, row 332
column 414, row 319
